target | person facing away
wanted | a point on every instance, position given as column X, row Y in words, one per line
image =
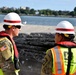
column 61, row 59
column 9, row 56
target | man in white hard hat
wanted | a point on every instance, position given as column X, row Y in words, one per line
column 61, row 59
column 9, row 56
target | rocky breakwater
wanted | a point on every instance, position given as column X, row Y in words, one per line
column 32, row 48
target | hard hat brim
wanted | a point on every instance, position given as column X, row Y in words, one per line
column 12, row 24
column 64, row 32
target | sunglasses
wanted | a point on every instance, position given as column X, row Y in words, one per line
column 18, row 26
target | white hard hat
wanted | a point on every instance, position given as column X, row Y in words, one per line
column 12, row 19
column 65, row 27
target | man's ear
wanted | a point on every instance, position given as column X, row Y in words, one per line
column 61, row 38
column 13, row 28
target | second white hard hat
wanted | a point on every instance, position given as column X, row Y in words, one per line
column 65, row 27
column 12, row 19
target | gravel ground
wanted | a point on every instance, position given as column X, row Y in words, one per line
column 30, row 66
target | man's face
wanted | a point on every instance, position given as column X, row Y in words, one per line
column 16, row 30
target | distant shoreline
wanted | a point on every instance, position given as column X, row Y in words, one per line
column 63, row 16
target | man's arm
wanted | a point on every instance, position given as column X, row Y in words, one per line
column 47, row 64
column 5, row 48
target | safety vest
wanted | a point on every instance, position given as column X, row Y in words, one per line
column 60, row 61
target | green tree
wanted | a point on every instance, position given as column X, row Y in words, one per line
column 55, row 13
column 72, row 13
column 32, row 11
column 60, row 12
column 75, row 11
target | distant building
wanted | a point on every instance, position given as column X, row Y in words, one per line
column 24, row 8
column 5, row 8
column 37, row 12
column 13, row 8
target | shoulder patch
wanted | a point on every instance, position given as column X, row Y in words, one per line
column 3, row 48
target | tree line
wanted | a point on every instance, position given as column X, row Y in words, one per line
column 42, row 12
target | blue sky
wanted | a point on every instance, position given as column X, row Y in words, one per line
column 41, row 4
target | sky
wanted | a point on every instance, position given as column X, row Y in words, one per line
column 67, row 5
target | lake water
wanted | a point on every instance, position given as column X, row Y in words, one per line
column 39, row 20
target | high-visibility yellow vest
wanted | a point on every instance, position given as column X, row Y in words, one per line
column 1, row 72
column 60, row 61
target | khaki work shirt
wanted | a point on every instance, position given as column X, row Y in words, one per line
column 6, row 51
